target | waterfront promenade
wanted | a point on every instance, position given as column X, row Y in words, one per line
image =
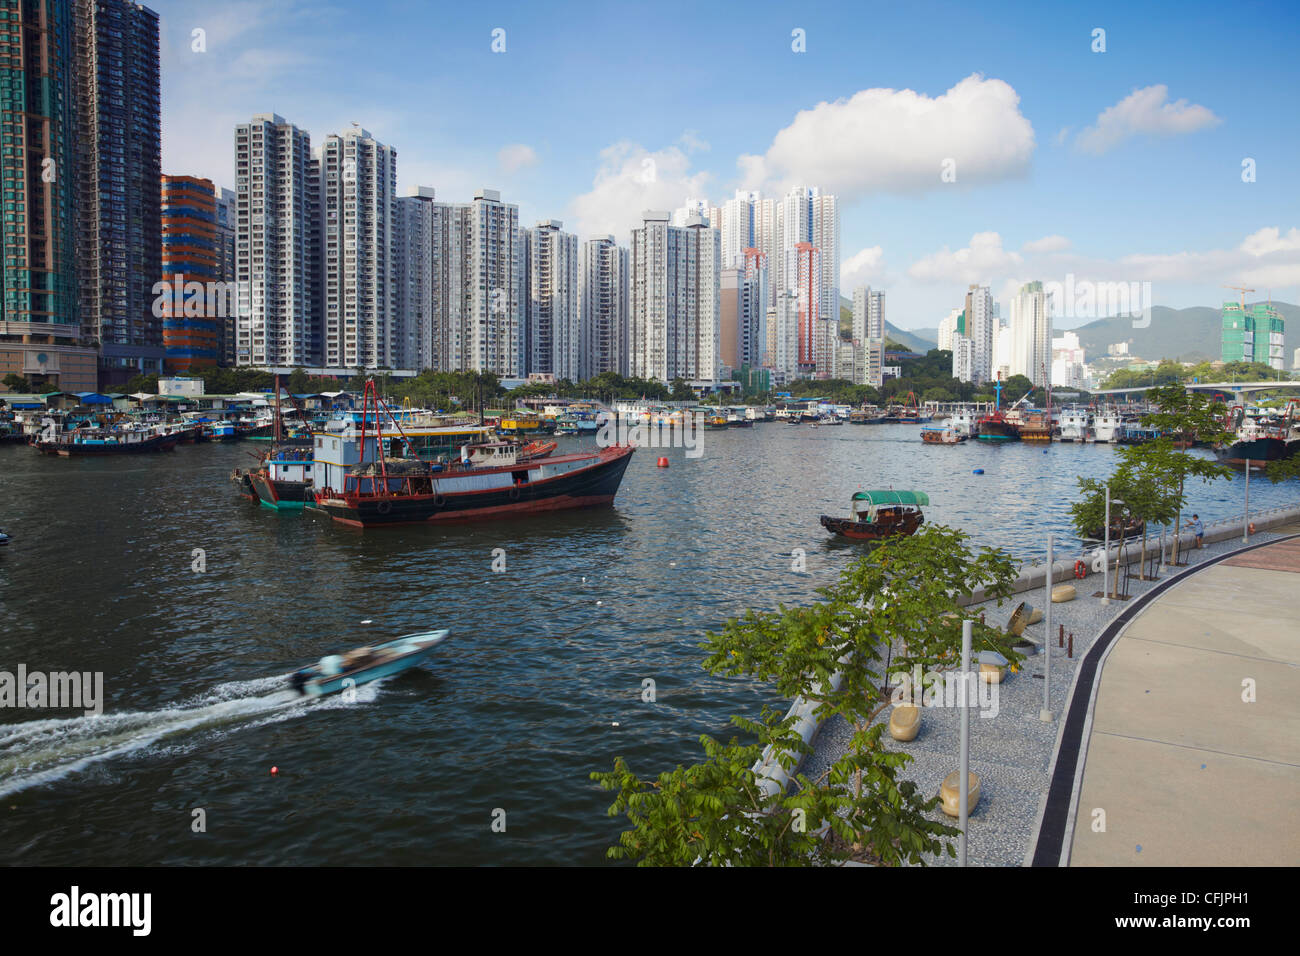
column 1193, row 753
column 1030, row 769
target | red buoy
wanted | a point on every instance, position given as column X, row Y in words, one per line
column 662, row 463
column 275, row 770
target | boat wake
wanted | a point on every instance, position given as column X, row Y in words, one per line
column 39, row 752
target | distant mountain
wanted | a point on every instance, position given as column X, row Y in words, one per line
column 1187, row 335
column 910, row 340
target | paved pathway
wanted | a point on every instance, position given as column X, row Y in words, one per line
column 1185, row 770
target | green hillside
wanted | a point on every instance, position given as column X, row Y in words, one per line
column 1186, row 335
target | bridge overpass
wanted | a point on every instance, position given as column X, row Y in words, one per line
column 1237, row 389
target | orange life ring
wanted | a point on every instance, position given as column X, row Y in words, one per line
column 1252, row 527
column 1080, row 569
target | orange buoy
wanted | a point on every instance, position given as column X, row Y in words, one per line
column 662, row 463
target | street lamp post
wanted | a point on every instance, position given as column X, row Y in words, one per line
column 1045, row 714
column 1105, row 553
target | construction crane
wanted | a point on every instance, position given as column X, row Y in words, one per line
column 1243, row 292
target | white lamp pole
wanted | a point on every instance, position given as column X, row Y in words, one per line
column 1045, row 714
column 1245, row 522
column 1105, row 554
column 963, row 793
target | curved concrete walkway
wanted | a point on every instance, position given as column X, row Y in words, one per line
column 1185, row 768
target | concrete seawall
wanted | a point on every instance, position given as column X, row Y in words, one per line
column 1034, row 576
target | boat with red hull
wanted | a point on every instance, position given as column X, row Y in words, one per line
column 357, row 485
column 409, row 491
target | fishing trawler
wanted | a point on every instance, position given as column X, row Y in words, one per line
column 1106, row 425
column 128, row 439
column 1036, row 425
column 996, row 426
column 942, row 435
column 1076, row 424
column 1259, row 440
column 358, row 484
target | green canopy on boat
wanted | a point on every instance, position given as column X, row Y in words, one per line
column 893, row 497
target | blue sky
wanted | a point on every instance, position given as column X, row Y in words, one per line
column 585, row 99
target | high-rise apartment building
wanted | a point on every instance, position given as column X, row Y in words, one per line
column 226, row 204
column 553, row 307
column 413, row 278
column 979, row 329
column 479, row 287
column 118, row 169
column 674, row 316
column 948, row 331
column 358, row 177
column 603, row 273
column 806, row 272
column 736, row 223
column 807, row 215
column 277, row 255
column 40, row 327
column 1031, row 334
column 783, row 337
column 729, row 334
column 191, row 302
column 755, row 296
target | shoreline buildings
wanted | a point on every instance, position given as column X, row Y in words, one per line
column 119, row 167
column 972, row 347
column 192, row 256
column 277, row 260
column 603, row 273
column 41, row 337
column 674, row 315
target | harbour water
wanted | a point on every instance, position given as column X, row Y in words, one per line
column 540, row 684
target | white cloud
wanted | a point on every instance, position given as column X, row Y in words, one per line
column 862, row 268
column 1267, row 259
column 1270, row 240
column 1046, row 244
column 1144, row 111
column 885, row 140
column 983, row 260
column 630, row 180
column 516, row 156
column 691, row 142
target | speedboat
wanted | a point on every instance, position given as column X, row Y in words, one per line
column 336, row 672
column 4, row 538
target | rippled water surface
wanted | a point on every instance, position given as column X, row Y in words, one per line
column 512, row 713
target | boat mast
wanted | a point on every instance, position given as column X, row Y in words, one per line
column 277, row 429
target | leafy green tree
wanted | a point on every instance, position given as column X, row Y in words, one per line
column 1186, row 416
column 299, row 383
column 143, row 383
column 892, row 609
column 16, row 383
